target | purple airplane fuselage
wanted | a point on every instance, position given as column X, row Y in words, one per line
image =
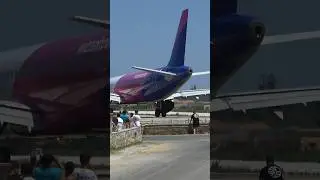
column 62, row 82
column 148, row 86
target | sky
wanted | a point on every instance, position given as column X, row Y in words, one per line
column 143, row 32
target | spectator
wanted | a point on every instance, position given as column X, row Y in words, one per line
column 136, row 119
column 111, row 122
column 46, row 171
column 131, row 120
column 26, row 171
column 85, row 172
column 69, row 171
column 115, row 119
column 14, row 172
column 124, row 116
column 271, row 171
column 120, row 122
column 195, row 122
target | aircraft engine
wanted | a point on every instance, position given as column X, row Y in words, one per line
column 256, row 33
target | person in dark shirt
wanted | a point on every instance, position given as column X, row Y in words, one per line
column 195, row 122
column 27, row 171
column 271, row 171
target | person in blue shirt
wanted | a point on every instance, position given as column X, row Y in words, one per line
column 124, row 116
column 45, row 171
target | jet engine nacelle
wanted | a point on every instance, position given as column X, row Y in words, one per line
column 256, row 33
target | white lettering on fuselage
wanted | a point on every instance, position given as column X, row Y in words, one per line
column 94, row 46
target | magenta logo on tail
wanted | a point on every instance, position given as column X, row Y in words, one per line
column 183, row 20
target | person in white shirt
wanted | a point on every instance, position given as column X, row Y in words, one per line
column 85, row 172
column 131, row 120
column 120, row 121
column 136, row 119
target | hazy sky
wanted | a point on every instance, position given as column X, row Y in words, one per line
column 143, row 32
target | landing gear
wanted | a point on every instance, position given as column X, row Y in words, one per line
column 163, row 107
column 157, row 112
column 3, row 127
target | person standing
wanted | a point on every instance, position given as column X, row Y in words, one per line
column 85, row 172
column 195, row 122
column 120, row 122
column 136, row 119
column 26, row 171
column 124, row 116
column 69, row 171
column 46, row 170
column 271, row 171
column 114, row 122
column 131, row 124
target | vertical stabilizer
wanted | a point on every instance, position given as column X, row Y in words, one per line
column 178, row 51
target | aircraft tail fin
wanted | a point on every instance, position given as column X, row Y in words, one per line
column 178, row 51
column 224, row 7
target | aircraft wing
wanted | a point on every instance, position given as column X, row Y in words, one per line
column 115, row 98
column 200, row 73
column 188, row 93
column 264, row 99
column 91, row 21
column 284, row 38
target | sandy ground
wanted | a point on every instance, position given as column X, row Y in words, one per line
column 164, row 157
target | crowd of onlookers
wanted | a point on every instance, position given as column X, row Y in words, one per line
column 49, row 167
column 124, row 120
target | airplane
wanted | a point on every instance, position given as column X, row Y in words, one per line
column 56, row 87
column 158, row 85
column 236, row 38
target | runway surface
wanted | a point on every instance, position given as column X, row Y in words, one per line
column 164, row 157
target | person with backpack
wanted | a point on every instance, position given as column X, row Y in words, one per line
column 195, row 122
column 271, row 171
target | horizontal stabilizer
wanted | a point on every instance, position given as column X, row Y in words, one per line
column 94, row 22
column 200, row 73
column 154, row 71
column 189, row 93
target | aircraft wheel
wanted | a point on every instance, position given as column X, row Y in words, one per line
column 163, row 114
column 157, row 113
